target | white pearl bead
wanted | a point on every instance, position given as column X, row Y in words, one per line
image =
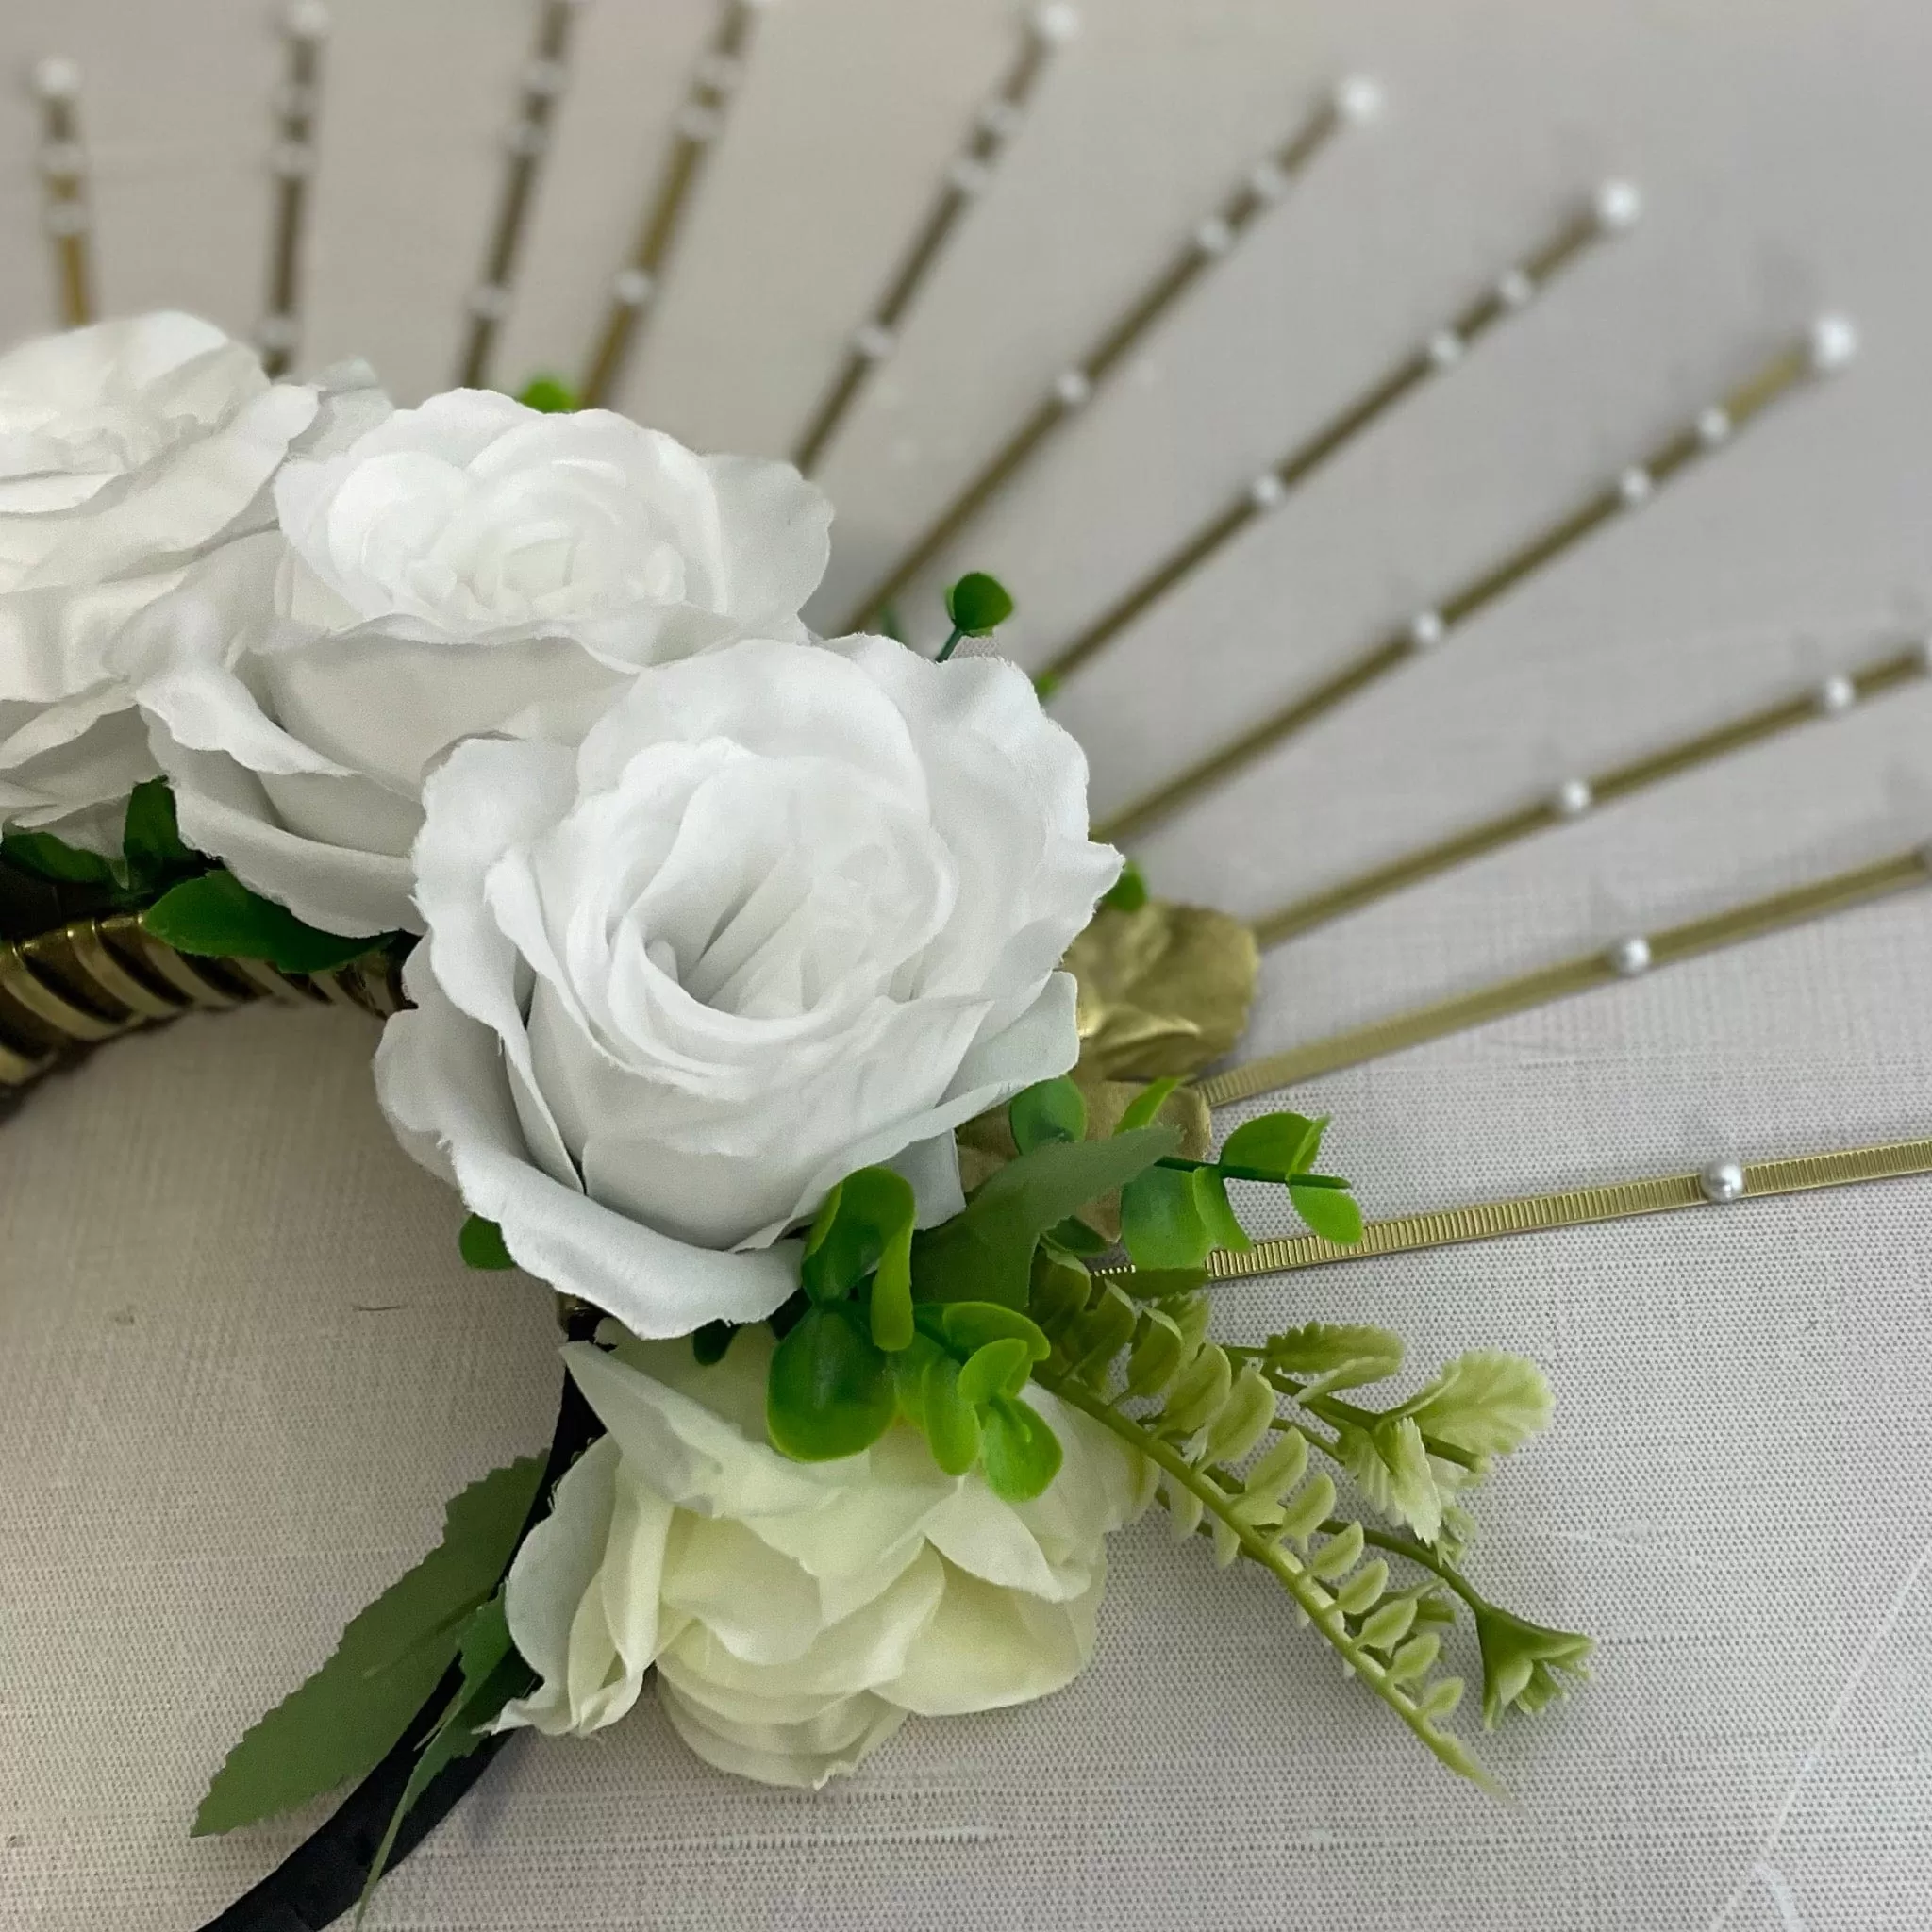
column 276, row 332
column 526, row 138
column 1426, row 630
column 1516, row 290
column 1267, row 491
column 720, row 73
column 1214, row 237
column 63, row 159
column 544, row 77
column 66, row 219
column 306, row 20
column 1837, row 693
column 1443, row 348
column 1635, row 487
column 632, row 287
column 1630, row 957
column 1359, row 99
column 1071, row 388
column 699, row 122
column 1834, row 342
column 968, row 177
column 291, row 160
column 57, row 78
column 489, row 302
column 1616, row 207
column 1268, row 181
column 1000, row 119
column 1573, row 797
column 873, row 342
column 1713, row 427
column 1056, row 24
column 1722, row 1180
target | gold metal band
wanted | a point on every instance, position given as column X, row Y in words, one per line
column 639, row 286
column 1710, row 430
column 1719, row 1185
column 99, row 977
column 529, row 140
column 63, row 186
column 992, row 128
column 1443, row 351
column 1078, row 381
column 1580, row 795
column 1628, row 958
column 303, row 28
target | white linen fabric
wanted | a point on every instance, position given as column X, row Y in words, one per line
column 240, row 1366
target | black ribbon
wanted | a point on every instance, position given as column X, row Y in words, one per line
column 323, row 1878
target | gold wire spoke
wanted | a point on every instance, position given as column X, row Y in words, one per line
column 1627, row 959
column 1820, row 351
column 1574, row 797
column 1610, row 214
column 63, row 186
column 305, row 27
column 544, row 75
column 995, row 126
column 638, row 288
column 1210, row 241
column 1720, row 1184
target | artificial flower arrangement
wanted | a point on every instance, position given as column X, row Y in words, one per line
column 765, row 997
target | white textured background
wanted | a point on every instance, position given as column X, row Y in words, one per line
column 240, row 1367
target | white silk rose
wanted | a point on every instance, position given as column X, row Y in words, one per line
column 788, row 911
column 470, row 566
column 127, row 450
column 797, row 1613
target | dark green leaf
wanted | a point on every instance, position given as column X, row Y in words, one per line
column 338, row 1723
column 986, row 1253
column 1128, row 892
column 151, row 839
column 49, row 857
column 1076, row 1238
column 830, row 1391
column 952, row 1424
column 999, row 1368
column 1021, row 1452
column 1161, row 1220
column 1282, row 1143
column 481, row 1244
column 1223, row 1227
column 492, row 1675
column 1147, row 1104
column 218, row 915
column 1330, row 1212
column 1050, row 1110
column 709, row 1345
column 550, row 394
column 979, row 604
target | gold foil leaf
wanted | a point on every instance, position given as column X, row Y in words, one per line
column 1163, row 989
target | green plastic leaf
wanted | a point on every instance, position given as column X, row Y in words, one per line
column 979, row 604
column 551, row 394
column 151, row 839
column 1128, row 892
column 1522, row 1660
column 1487, row 1402
column 1331, row 1213
column 1224, row 1227
column 217, row 914
column 1277, row 1143
column 1076, row 1238
column 998, row 1368
column 1045, row 685
column 865, row 1228
column 1147, row 1104
column 1018, row 1448
column 1391, row 1466
column 1327, row 1348
column 986, row 1253
column 952, row 1423
column 1162, row 1284
column 50, row 858
column 829, row 1393
column 338, row 1723
column 1049, row 1110
column 969, row 1326
column 1161, row 1224
column 492, row 1675
column 481, row 1244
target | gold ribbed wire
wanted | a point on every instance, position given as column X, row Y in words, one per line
column 1573, row 1207
column 543, row 78
column 1563, row 805
column 993, row 126
column 63, row 187
column 305, row 26
column 1213, row 238
column 637, row 287
column 1711, row 430
column 95, row 979
column 1441, row 352
column 1841, row 892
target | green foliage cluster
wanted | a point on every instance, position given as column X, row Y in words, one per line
column 185, row 898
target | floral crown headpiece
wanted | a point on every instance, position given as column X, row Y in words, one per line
column 764, row 994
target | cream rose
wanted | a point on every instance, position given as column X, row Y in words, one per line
column 790, row 911
column 798, row 1613
column 467, row 567
column 127, row 450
